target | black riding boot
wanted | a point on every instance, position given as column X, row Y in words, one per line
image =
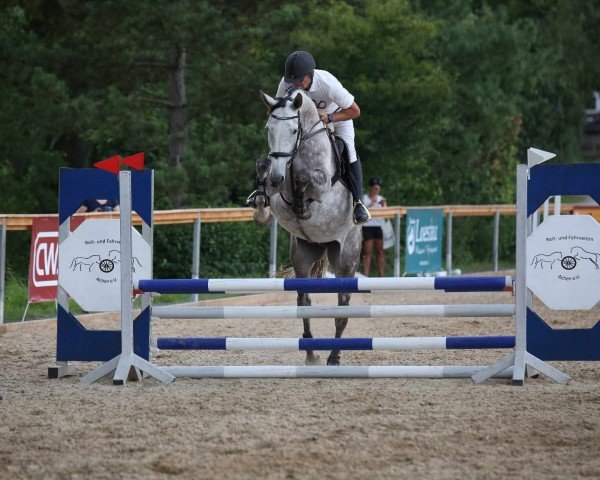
column 354, row 180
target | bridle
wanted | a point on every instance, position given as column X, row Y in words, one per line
column 300, row 137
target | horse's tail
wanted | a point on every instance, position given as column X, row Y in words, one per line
column 286, row 272
column 318, row 269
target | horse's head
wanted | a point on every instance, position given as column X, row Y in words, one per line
column 287, row 116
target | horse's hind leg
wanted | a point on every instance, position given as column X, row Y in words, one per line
column 340, row 326
column 303, row 256
column 345, row 262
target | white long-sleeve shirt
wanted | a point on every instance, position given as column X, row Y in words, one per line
column 329, row 94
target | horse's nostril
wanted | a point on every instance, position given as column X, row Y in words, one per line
column 303, row 179
column 276, row 180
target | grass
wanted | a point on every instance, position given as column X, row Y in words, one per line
column 15, row 301
column 484, row 267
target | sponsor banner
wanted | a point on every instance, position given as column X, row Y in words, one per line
column 43, row 258
column 424, row 231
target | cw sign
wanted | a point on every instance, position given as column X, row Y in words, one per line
column 43, row 258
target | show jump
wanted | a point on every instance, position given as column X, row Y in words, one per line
column 557, row 262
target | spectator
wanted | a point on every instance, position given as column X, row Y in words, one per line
column 100, row 205
column 373, row 230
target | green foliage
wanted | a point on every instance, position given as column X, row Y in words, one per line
column 234, row 250
column 390, row 68
column 15, row 302
column 226, row 250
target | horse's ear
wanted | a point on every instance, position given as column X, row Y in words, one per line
column 268, row 100
column 297, row 101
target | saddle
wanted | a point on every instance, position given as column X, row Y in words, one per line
column 340, row 153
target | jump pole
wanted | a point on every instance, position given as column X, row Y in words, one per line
column 322, row 371
column 326, row 285
column 296, row 344
column 364, row 311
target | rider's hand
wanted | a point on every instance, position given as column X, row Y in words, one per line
column 322, row 115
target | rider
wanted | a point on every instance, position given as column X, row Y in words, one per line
column 335, row 105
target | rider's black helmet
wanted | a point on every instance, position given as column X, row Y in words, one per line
column 297, row 66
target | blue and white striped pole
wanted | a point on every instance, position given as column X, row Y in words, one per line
column 295, row 344
column 326, row 285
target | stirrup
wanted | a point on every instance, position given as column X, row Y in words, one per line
column 358, row 205
column 251, row 200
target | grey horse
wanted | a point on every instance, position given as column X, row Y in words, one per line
column 299, row 188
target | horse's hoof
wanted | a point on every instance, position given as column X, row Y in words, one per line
column 313, row 360
column 333, row 361
column 262, row 216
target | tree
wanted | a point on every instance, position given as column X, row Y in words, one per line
column 387, row 63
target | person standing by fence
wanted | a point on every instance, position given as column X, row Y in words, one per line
column 373, row 230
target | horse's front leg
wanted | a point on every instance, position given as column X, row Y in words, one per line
column 259, row 199
column 340, row 326
column 345, row 261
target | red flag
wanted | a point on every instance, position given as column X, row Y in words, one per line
column 110, row 164
column 134, row 161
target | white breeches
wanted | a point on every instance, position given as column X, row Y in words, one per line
column 345, row 130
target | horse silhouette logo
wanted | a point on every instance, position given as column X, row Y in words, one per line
column 580, row 254
column 115, row 257
column 106, row 265
column 550, row 258
column 568, row 262
column 85, row 262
